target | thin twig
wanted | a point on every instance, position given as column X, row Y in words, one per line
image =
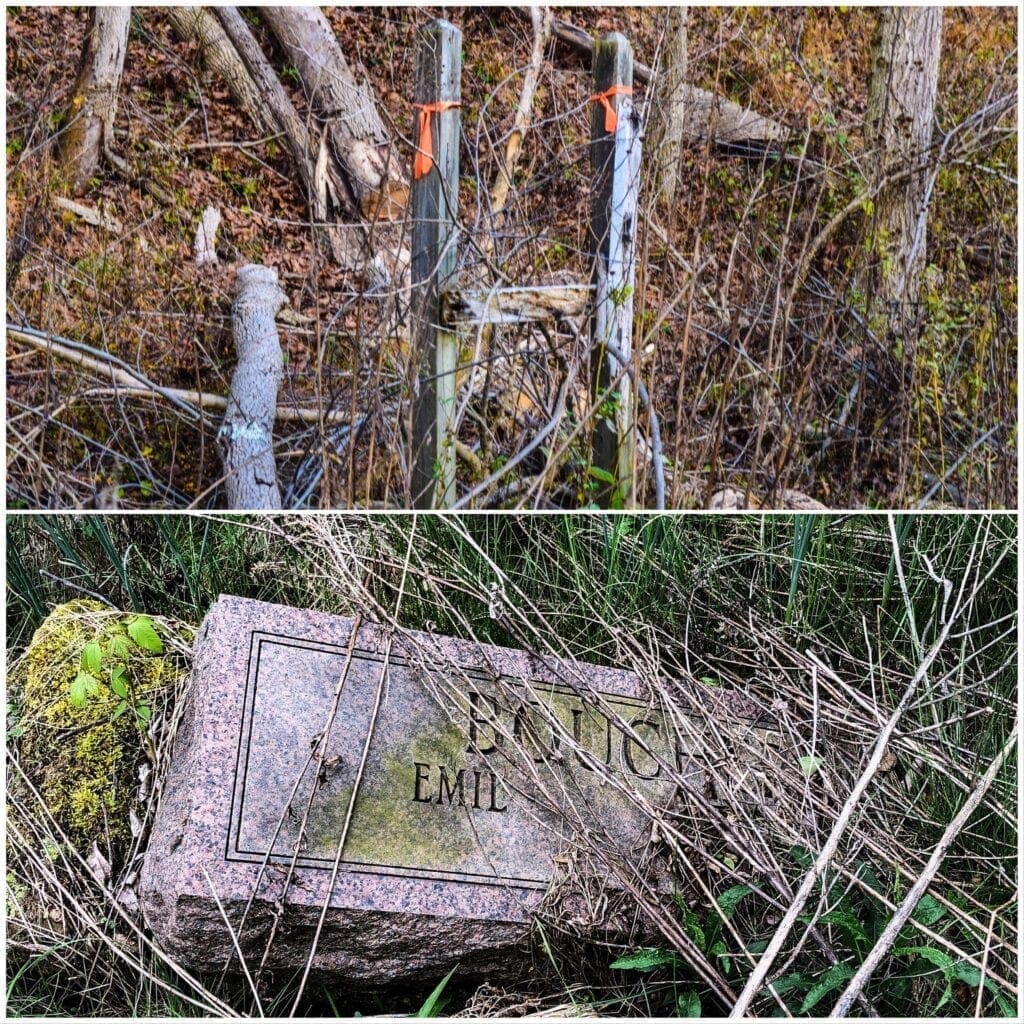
column 234, row 941
column 760, row 973
column 897, row 921
column 134, row 384
column 358, row 779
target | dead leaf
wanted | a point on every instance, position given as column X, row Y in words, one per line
column 98, row 865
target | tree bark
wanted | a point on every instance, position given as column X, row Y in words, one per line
column 898, row 133
column 218, row 55
column 94, row 101
column 246, row 437
column 670, row 104
column 351, row 168
column 276, row 99
column 378, row 188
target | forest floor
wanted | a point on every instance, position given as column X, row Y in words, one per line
column 747, row 397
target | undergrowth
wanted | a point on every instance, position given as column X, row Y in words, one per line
column 760, row 383
column 823, row 622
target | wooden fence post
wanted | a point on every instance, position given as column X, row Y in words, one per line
column 435, row 192
column 615, row 186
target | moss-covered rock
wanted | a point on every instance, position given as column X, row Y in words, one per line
column 89, row 682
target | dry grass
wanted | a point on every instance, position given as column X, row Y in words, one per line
column 884, row 653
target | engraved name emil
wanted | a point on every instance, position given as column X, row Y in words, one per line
column 533, row 731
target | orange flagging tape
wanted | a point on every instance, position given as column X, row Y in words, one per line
column 611, row 119
column 424, row 146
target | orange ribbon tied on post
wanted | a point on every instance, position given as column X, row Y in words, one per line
column 611, row 118
column 424, row 143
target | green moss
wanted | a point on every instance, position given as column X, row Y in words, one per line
column 447, row 747
column 82, row 759
column 387, row 825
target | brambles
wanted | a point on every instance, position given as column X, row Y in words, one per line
column 745, row 357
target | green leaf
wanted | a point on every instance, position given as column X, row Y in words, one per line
column 688, row 1005
column 603, row 475
column 947, row 994
column 710, row 681
column 728, row 900
column 970, row 975
column 967, row 973
column 144, row 712
column 646, row 960
column 119, row 682
column 121, row 709
column 695, row 931
column 846, row 919
column 865, row 871
column 141, row 630
column 801, row 856
column 1006, row 1008
column 934, row 956
column 831, row 979
column 721, row 950
column 433, row 1005
column 788, row 982
column 78, row 691
column 92, row 655
column 928, row 911
column 119, row 646
column 809, row 765
column 82, row 687
column 943, row 961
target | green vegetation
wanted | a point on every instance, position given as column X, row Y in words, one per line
column 824, row 621
column 76, row 741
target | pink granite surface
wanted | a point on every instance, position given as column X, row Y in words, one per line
column 437, row 867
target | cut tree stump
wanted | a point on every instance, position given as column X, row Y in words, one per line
column 245, row 439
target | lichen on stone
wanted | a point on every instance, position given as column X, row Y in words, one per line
column 82, row 756
column 387, row 826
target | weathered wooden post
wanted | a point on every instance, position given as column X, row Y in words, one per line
column 435, row 192
column 615, row 186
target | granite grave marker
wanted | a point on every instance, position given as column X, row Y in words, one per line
column 475, row 765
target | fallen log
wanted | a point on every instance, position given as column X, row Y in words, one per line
column 245, row 438
column 217, row 54
column 519, row 305
column 274, row 97
column 375, row 178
